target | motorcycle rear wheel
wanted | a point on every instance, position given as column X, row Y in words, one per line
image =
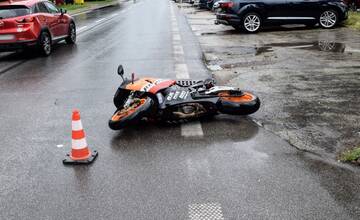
column 243, row 104
column 124, row 117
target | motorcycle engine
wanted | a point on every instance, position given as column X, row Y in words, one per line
column 190, row 110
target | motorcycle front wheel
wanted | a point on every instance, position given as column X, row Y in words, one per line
column 124, row 117
column 245, row 103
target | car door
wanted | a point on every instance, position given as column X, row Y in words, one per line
column 304, row 9
column 276, row 9
column 50, row 20
column 40, row 10
column 59, row 24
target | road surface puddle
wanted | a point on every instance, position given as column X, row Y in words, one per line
column 323, row 45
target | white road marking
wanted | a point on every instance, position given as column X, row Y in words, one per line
column 176, row 37
column 113, row 15
column 82, row 28
column 178, row 50
column 181, row 71
column 175, row 30
column 208, row 211
column 191, row 129
column 100, row 20
column 59, row 145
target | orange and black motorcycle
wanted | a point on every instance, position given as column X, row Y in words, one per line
column 176, row 100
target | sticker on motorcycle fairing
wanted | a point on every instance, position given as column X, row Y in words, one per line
column 186, row 95
column 182, row 95
column 176, row 95
column 170, row 96
column 159, row 81
column 147, row 87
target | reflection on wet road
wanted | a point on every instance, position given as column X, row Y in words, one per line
column 325, row 46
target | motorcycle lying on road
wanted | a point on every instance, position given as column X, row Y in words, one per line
column 176, row 100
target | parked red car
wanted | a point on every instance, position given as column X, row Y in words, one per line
column 34, row 24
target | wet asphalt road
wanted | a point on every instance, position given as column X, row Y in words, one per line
column 236, row 170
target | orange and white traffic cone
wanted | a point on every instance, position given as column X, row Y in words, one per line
column 80, row 152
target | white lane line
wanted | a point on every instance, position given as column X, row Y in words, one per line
column 82, row 28
column 175, row 30
column 176, row 37
column 181, row 71
column 192, row 129
column 100, row 20
column 113, row 15
column 178, row 50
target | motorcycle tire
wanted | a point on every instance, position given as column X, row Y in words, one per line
column 122, row 119
column 244, row 104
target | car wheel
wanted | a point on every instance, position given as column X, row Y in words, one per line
column 328, row 19
column 251, row 22
column 71, row 39
column 45, row 43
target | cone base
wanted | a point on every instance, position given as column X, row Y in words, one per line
column 69, row 161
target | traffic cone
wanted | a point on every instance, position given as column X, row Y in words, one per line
column 80, row 152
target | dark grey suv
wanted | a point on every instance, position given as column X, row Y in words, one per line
column 251, row 15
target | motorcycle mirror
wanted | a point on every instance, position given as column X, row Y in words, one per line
column 120, row 70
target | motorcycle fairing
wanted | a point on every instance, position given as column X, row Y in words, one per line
column 176, row 101
column 151, row 85
column 177, row 94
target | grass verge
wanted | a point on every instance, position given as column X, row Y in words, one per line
column 354, row 20
column 87, row 5
column 350, row 155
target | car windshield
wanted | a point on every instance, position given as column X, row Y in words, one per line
column 13, row 11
